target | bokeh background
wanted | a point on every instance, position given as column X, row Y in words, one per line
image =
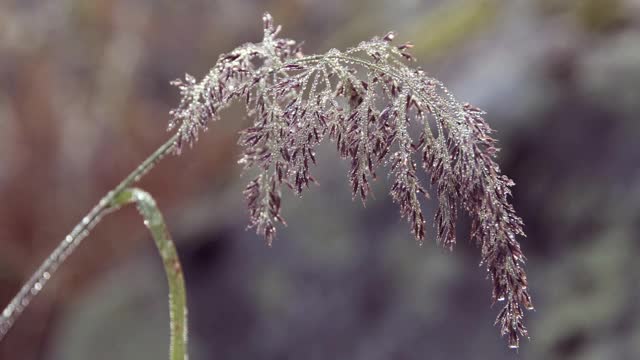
column 84, row 97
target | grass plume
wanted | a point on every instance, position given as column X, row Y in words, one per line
column 364, row 100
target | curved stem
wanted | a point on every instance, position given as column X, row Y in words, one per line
column 42, row 275
column 167, row 250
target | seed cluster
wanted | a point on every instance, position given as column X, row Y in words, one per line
column 365, row 100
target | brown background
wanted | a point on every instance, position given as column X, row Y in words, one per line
column 84, row 97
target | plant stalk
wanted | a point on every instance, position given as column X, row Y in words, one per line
column 166, row 248
column 42, row 275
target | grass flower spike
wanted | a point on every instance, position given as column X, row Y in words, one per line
column 370, row 103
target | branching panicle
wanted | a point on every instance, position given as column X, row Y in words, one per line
column 365, row 99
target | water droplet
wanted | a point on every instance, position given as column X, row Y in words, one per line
column 36, row 289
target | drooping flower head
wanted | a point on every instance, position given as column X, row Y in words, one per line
column 364, row 100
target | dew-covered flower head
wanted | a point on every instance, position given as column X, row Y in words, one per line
column 365, row 100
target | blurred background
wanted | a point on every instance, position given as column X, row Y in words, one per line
column 84, row 97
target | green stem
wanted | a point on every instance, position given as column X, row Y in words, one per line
column 177, row 291
column 39, row 279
